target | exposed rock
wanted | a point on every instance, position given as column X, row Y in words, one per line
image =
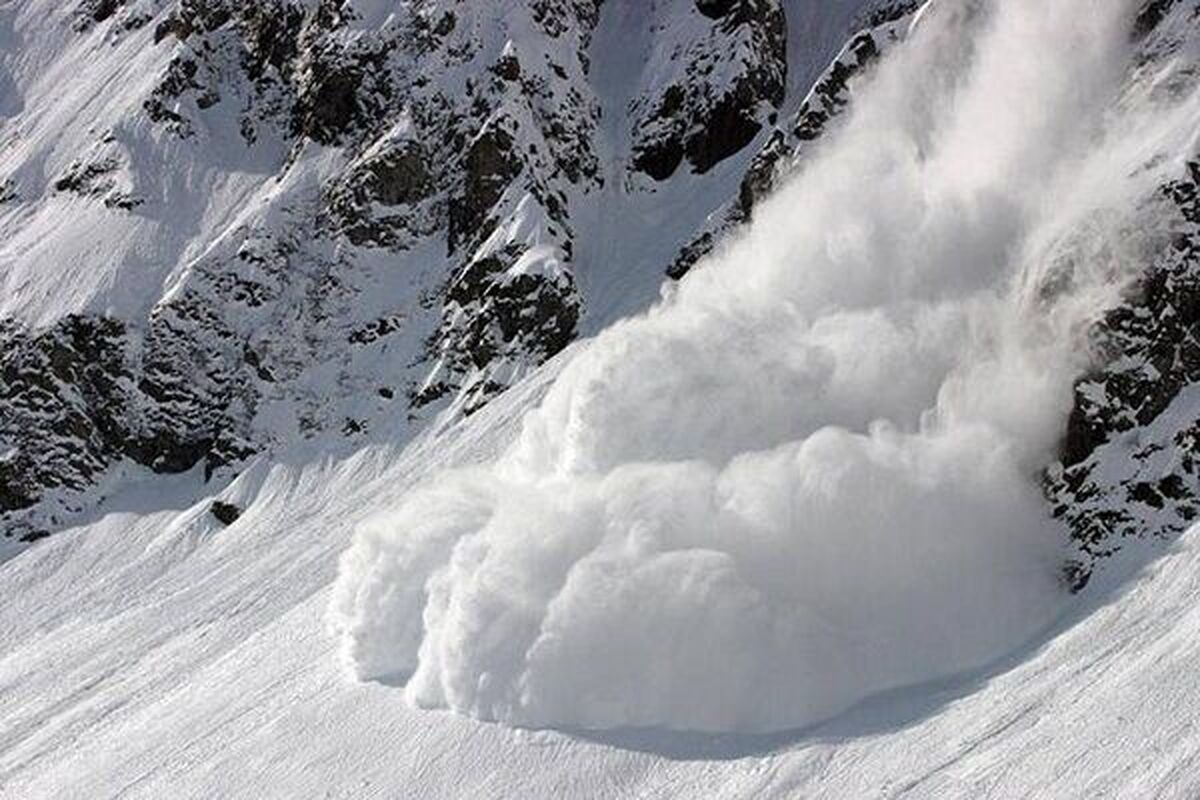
column 786, row 146
column 339, row 88
column 65, row 395
column 831, row 94
column 491, row 165
column 180, row 77
column 890, row 11
column 734, row 77
column 95, row 11
column 419, row 257
column 1152, row 14
column 396, row 176
column 715, row 9
column 225, row 513
column 377, row 329
column 88, row 178
column 399, row 177
column 1130, row 463
column 514, row 307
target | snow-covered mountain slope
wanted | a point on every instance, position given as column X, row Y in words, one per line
column 798, row 530
column 228, row 226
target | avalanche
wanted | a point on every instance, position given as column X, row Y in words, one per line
column 810, row 474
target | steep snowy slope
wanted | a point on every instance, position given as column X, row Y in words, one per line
column 798, row 530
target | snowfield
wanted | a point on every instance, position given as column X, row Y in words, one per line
column 152, row 654
column 785, row 534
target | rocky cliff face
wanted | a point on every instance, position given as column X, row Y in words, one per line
column 787, row 142
column 728, row 73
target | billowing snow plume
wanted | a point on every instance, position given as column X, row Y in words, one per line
column 811, row 473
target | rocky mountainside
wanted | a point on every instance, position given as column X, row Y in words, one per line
column 253, row 223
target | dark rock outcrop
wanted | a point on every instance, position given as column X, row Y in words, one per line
column 490, row 166
column 786, row 145
column 500, row 312
column 1151, row 15
column 225, row 513
column 1130, row 464
column 734, row 77
column 93, row 11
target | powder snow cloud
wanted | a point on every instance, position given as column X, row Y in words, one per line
column 811, row 472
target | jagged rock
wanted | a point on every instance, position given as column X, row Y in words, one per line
column 691, row 253
column 218, row 39
column 270, row 32
column 180, row 77
column 380, row 201
column 1151, row 15
column 490, row 166
column 399, row 177
column 659, row 157
column 831, row 94
column 101, row 177
column 225, row 513
column 334, row 90
column 64, row 397
column 512, row 305
column 786, row 146
column 735, row 76
column 715, row 9
column 1130, row 465
column 891, row 11
column 80, row 397
column 95, row 11
column 377, row 329
column 88, row 178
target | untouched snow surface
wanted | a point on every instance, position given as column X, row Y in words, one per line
column 808, row 475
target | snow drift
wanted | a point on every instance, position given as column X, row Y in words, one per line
column 811, row 472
